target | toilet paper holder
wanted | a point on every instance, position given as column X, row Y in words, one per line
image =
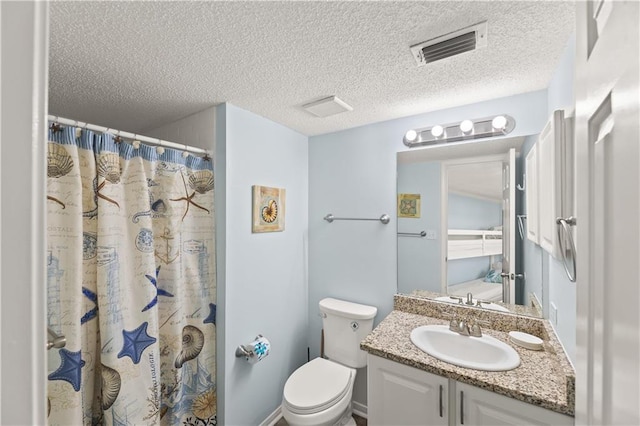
column 244, row 351
column 249, row 351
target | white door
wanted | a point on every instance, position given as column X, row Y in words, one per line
column 608, row 212
column 508, row 228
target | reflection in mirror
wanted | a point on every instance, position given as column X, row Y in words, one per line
column 473, row 207
column 458, row 238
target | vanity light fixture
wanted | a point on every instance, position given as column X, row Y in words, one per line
column 499, row 122
column 488, row 127
column 411, row 135
column 466, row 126
column 436, row 131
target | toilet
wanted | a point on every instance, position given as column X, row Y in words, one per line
column 319, row 392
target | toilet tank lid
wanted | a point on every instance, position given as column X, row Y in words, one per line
column 347, row 309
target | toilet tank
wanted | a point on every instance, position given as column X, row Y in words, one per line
column 345, row 325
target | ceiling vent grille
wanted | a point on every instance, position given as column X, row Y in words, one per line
column 455, row 43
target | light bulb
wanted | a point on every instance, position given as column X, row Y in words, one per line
column 499, row 122
column 466, row 126
column 437, row 131
column 411, row 135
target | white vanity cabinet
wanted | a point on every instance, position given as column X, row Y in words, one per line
column 403, row 395
column 479, row 407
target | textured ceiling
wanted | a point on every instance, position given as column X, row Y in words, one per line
column 137, row 65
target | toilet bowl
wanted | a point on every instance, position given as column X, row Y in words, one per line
column 319, row 392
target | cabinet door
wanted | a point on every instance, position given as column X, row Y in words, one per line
column 403, row 395
column 550, row 156
column 531, row 186
column 478, row 407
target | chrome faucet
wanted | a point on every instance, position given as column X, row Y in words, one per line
column 469, row 299
column 459, row 326
column 466, row 327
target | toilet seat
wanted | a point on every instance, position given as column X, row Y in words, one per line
column 317, row 386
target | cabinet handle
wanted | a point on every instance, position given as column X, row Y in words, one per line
column 441, row 408
column 461, row 407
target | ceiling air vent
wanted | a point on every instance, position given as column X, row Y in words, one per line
column 464, row 40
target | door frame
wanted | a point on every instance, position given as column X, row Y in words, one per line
column 23, row 122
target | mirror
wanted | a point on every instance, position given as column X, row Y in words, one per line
column 462, row 223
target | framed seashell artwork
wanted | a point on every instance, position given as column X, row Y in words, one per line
column 268, row 209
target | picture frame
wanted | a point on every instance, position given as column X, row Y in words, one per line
column 409, row 205
column 268, row 213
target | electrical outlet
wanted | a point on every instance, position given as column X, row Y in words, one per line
column 553, row 314
column 431, row 234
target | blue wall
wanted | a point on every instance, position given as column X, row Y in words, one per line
column 473, row 213
column 265, row 288
column 461, row 270
column 419, row 258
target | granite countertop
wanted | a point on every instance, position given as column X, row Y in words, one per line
column 544, row 378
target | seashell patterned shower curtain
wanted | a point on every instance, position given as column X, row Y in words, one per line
column 131, row 283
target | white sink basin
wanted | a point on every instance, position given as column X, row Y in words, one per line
column 479, row 353
column 492, row 306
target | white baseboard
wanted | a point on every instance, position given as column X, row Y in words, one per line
column 359, row 409
column 273, row 418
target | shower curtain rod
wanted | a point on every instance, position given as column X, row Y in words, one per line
column 133, row 136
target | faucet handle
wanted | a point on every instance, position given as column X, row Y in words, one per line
column 475, row 330
column 480, row 302
column 474, row 327
column 459, row 299
column 454, row 322
column 454, row 325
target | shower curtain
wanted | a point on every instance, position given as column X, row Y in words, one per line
column 131, row 283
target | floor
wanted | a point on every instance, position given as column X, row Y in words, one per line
column 360, row 421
